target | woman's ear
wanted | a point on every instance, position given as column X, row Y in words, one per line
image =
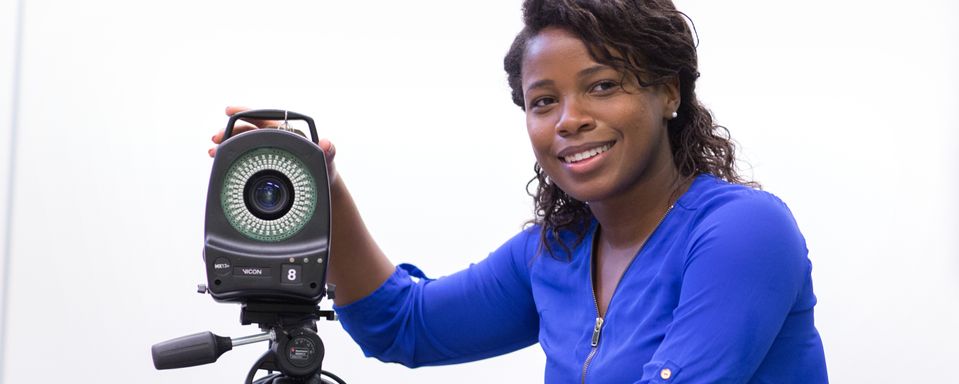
column 671, row 97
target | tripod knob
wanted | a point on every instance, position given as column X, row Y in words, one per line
column 331, row 291
column 299, row 352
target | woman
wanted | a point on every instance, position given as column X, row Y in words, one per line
column 649, row 259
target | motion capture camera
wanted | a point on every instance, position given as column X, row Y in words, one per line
column 268, row 215
column 267, row 246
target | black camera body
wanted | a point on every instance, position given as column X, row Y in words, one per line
column 267, row 227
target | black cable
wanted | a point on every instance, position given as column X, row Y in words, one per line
column 272, row 377
column 256, row 367
column 332, row 376
column 268, row 379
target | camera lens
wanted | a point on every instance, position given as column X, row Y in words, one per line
column 268, row 195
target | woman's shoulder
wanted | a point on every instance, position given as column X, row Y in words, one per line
column 713, row 201
column 729, row 224
column 709, row 193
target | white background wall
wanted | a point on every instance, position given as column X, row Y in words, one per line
column 847, row 110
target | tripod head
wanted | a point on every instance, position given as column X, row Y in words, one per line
column 296, row 351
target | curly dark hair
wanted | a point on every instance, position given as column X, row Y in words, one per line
column 651, row 40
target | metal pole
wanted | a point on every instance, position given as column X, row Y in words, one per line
column 253, row 339
column 8, row 228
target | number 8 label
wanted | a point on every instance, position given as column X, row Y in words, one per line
column 291, row 274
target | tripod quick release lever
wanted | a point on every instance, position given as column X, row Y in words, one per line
column 198, row 349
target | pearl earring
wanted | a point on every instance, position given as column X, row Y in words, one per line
column 674, row 114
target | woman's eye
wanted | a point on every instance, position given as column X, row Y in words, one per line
column 604, row 86
column 543, row 101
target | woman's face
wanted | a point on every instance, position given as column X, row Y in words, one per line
column 596, row 133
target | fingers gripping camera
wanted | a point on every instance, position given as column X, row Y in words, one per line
column 268, row 215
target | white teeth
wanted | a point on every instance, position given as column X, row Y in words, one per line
column 586, row 154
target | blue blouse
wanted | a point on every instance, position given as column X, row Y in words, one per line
column 720, row 293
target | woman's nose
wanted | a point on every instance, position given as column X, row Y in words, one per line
column 574, row 119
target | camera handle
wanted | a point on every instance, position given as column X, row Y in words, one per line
column 270, row 114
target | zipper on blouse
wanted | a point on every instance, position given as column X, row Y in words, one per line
column 596, row 331
column 598, row 328
column 594, row 343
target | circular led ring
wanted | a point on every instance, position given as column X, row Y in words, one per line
column 238, row 213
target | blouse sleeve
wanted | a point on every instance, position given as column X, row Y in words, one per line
column 482, row 311
column 745, row 269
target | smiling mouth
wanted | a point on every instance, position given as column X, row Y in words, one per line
column 587, row 154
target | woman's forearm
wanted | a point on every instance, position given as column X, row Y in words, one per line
column 357, row 264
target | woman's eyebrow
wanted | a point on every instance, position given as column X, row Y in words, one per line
column 539, row 84
column 592, row 70
column 581, row 74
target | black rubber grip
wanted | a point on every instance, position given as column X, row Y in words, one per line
column 187, row 351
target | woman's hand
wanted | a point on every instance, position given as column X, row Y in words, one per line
column 251, row 124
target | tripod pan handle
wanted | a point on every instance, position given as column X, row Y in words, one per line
column 187, row 351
